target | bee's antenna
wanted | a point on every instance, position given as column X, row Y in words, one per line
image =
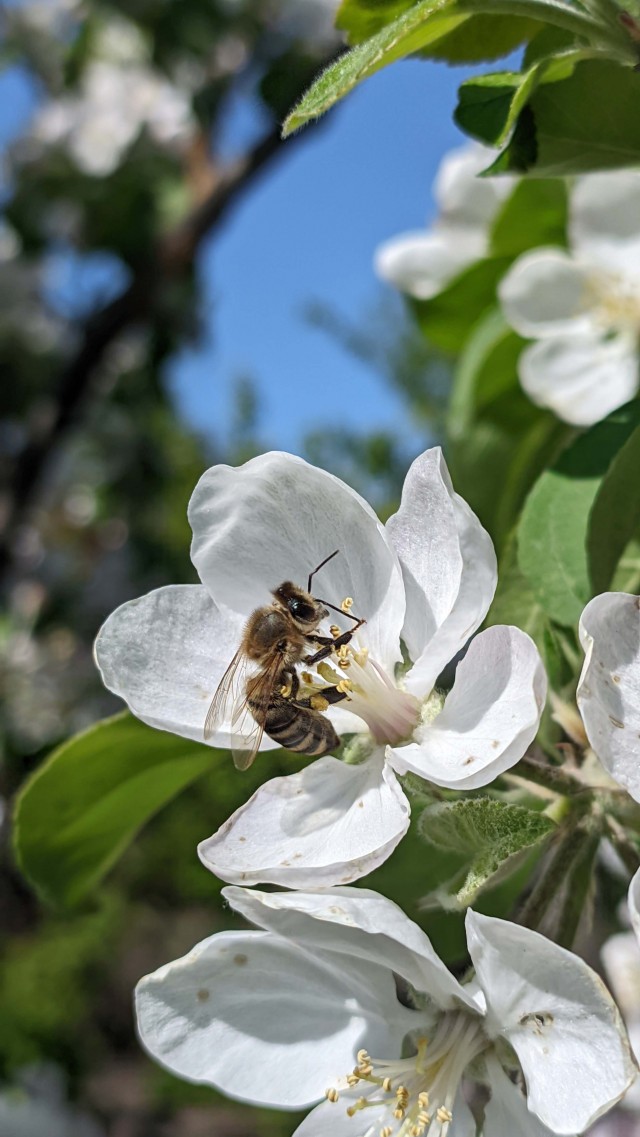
column 321, row 565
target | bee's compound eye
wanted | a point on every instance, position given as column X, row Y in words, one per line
column 301, row 610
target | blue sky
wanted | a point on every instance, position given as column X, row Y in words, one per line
column 307, row 232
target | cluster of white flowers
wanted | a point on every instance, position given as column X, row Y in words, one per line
column 119, row 95
column 580, row 305
column 307, row 1010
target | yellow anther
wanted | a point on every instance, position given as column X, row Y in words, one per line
column 331, row 1094
column 344, row 663
column 424, row 1118
column 286, row 691
column 443, row 1114
column 402, row 1094
column 343, row 651
column 347, row 604
column 344, row 686
column 318, row 703
column 423, row 1100
column 387, row 1131
column 387, row 1085
column 307, row 678
column 335, row 631
column 353, row 1079
column 398, row 1114
column 361, row 657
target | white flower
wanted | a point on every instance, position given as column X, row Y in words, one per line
column 582, row 306
column 119, row 95
column 609, row 688
column 423, row 262
column 429, row 576
column 277, row 1018
column 621, row 959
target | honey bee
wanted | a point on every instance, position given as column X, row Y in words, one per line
column 276, row 638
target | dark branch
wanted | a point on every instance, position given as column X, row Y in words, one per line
column 172, row 258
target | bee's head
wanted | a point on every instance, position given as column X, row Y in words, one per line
column 306, row 611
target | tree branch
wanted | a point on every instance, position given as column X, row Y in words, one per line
column 172, row 257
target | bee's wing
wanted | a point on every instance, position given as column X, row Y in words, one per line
column 245, row 743
column 230, row 697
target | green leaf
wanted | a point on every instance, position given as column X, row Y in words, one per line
column 615, row 515
column 489, row 833
column 587, row 121
column 412, row 30
column 534, row 214
column 76, row 815
column 423, row 28
column 448, row 318
column 552, row 535
column 498, row 440
column 361, row 19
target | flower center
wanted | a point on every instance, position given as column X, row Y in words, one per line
column 390, row 714
column 417, row 1094
column 616, row 300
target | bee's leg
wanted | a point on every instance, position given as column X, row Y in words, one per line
column 330, row 644
column 322, row 698
column 290, row 682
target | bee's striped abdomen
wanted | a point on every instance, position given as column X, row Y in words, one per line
column 296, row 728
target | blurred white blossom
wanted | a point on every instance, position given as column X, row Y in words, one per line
column 423, row 262
column 120, row 93
column 581, row 305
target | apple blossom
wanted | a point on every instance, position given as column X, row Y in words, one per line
column 119, row 95
column 428, row 576
column 581, row 306
column 277, row 1017
column 609, row 688
column 423, row 262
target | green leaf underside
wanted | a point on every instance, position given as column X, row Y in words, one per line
column 491, row 833
column 79, row 811
column 567, row 115
column 615, row 515
column 552, row 535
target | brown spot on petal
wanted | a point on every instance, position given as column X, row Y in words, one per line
column 469, row 760
column 616, row 722
column 360, row 805
column 616, row 678
column 203, row 995
column 240, row 960
column 495, row 744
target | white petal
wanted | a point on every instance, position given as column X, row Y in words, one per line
column 489, row 718
column 332, row 1118
column 276, row 518
column 547, row 293
column 165, row 654
column 463, row 197
column 634, row 903
column 506, row 1112
column 560, row 1019
column 581, row 378
column 609, row 688
column 262, row 1020
column 328, row 824
column 354, row 922
column 449, row 567
column 620, row 956
column 422, row 263
column 604, row 223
